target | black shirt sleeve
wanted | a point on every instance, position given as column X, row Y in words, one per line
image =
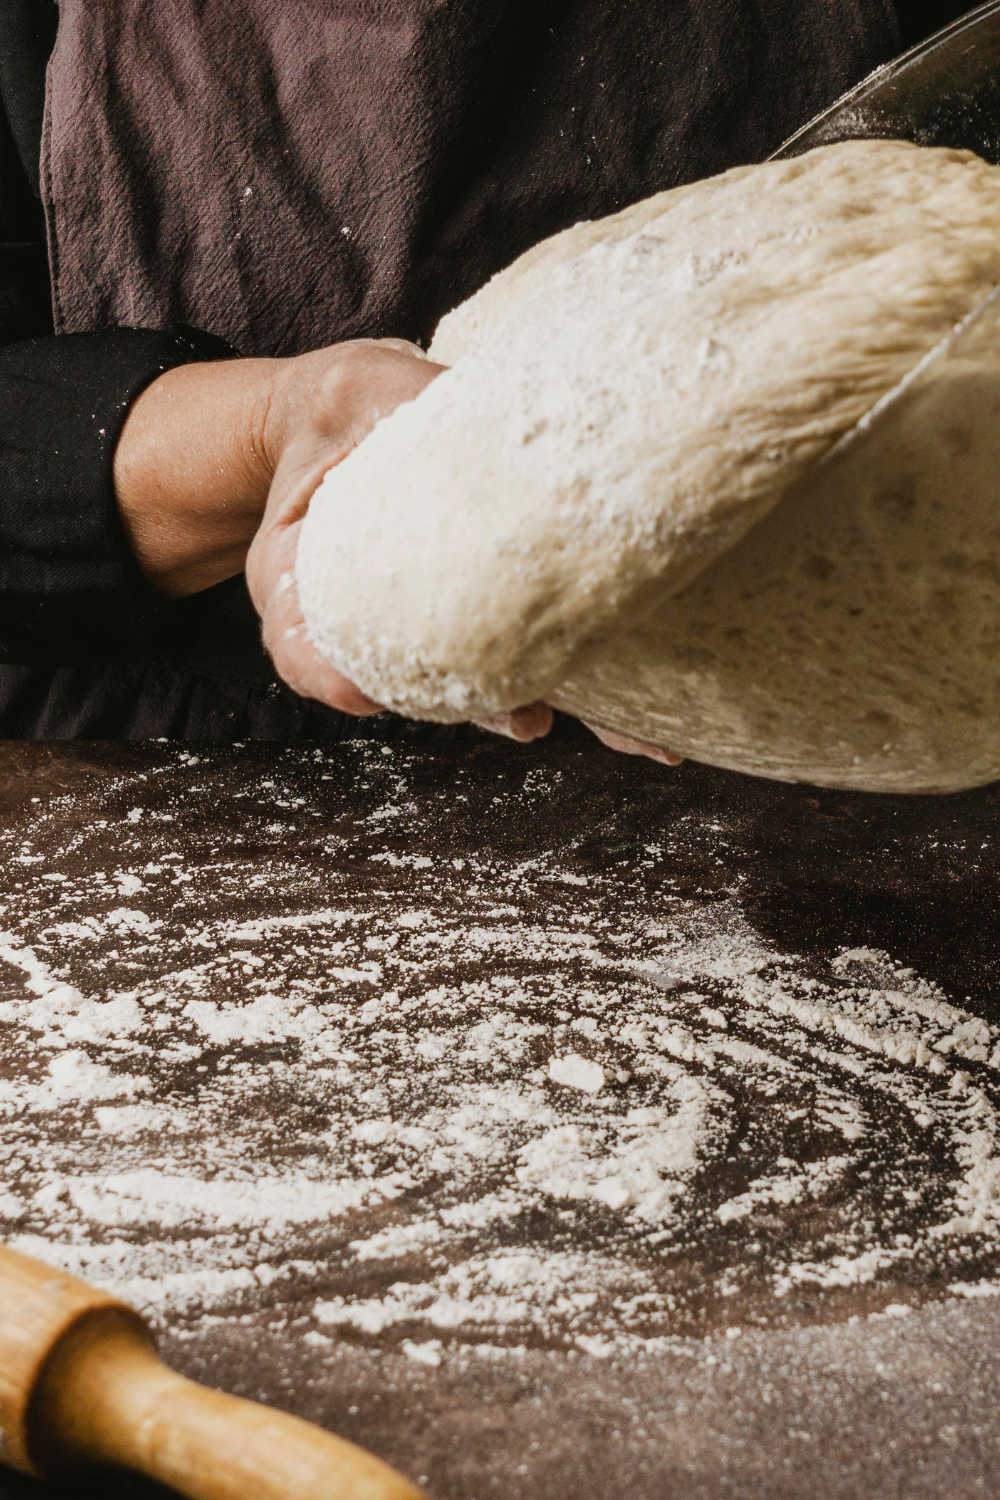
column 70, row 589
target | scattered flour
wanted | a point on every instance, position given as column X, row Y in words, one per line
column 484, row 1104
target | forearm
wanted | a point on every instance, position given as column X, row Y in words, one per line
column 192, row 472
column 70, row 588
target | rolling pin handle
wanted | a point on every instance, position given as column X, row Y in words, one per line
column 105, row 1398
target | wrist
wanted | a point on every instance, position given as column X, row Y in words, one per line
column 192, row 470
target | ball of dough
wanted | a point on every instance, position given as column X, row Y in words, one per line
column 618, row 500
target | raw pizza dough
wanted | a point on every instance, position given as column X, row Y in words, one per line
column 622, row 499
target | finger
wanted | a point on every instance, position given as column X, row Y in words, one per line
column 298, row 662
column 628, row 746
column 532, row 722
column 271, row 558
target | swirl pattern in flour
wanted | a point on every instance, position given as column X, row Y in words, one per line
column 409, row 1096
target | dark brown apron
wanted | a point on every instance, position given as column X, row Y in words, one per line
column 286, row 173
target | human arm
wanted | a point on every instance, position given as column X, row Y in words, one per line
column 70, row 587
column 135, row 468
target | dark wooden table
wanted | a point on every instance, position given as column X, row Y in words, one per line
column 277, row 1031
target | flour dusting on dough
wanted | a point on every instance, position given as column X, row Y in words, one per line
column 615, row 501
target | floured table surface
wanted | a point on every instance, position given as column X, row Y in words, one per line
column 539, row 1118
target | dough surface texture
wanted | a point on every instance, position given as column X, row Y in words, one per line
column 622, row 498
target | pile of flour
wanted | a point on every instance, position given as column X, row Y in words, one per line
column 429, row 1100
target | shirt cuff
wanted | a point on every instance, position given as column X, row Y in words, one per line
column 70, row 589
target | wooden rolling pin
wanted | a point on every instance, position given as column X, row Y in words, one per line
column 80, row 1384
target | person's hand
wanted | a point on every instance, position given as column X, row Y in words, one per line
column 215, row 468
column 627, row 746
column 323, row 405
